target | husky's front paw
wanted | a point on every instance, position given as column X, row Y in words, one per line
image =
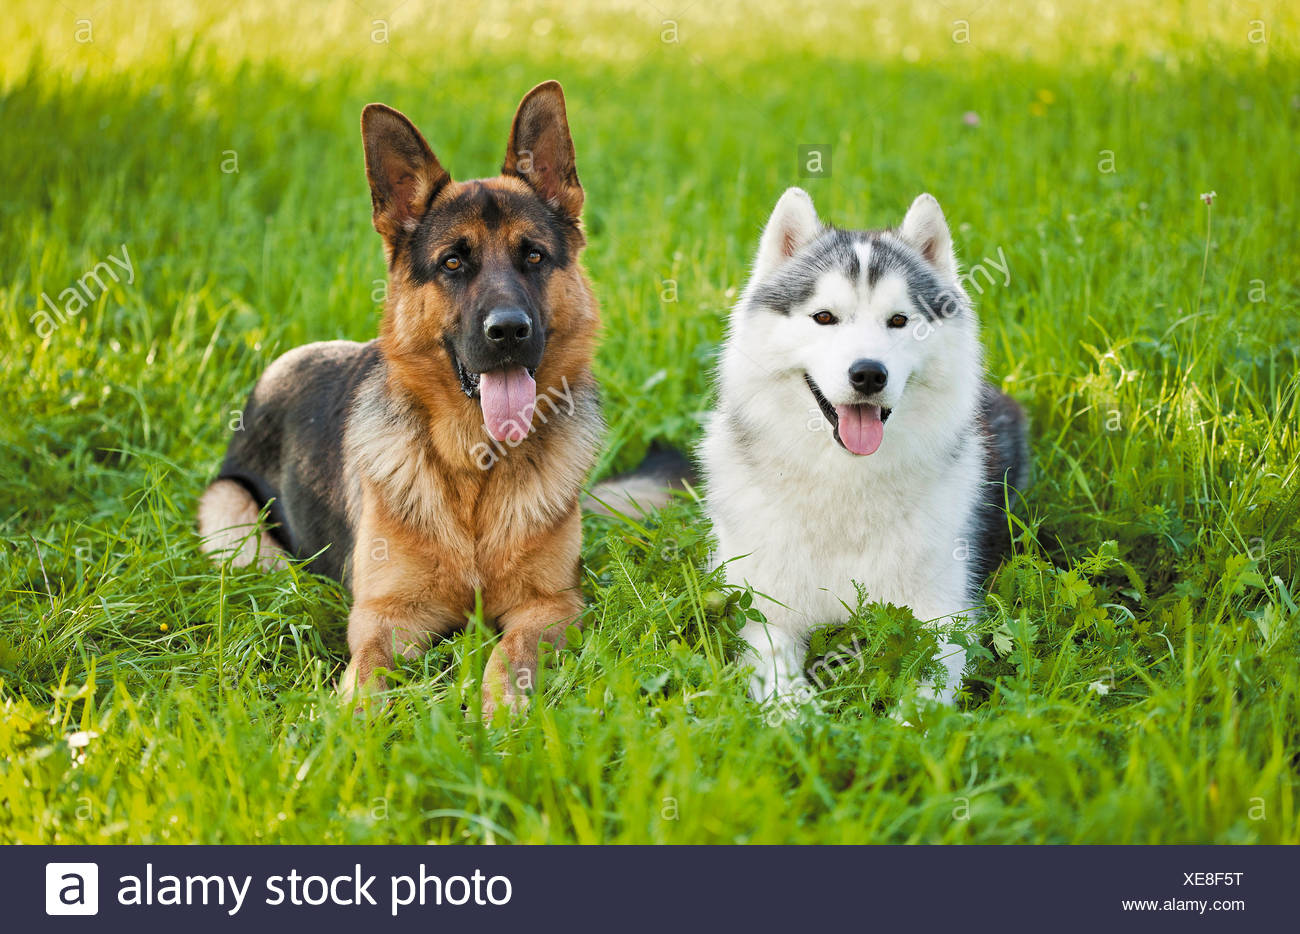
column 912, row 708
column 777, row 658
column 768, row 683
column 779, row 686
column 944, row 690
column 789, row 703
column 946, row 695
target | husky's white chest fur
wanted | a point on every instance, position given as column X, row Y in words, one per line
column 848, row 446
column 803, row 525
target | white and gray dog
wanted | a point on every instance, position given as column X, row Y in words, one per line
column 854, row 438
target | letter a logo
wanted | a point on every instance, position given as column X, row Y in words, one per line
column 72, row 888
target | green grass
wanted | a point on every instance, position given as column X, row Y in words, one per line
column 1138, row 679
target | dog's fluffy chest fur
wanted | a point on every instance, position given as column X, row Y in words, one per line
column 391, row 446
column 478, row 522
column 803, row 521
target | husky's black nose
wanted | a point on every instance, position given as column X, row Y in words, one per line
column 868, row 376
column 507, row 328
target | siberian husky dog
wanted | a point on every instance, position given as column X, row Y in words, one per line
column 854, row 438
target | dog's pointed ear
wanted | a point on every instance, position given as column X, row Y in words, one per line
column 792, row 226
column 926, row 229
column 404, row 173
column 540, row 150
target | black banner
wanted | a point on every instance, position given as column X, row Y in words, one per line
column 646, row 888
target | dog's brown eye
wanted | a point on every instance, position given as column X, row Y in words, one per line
column 897, row 321
column 824, row 317
column 534, row 257
column 451, row 263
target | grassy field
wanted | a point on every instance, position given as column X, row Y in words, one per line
column 1138, row 677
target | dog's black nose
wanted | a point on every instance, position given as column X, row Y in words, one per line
column 507, row 328
column 868, row 376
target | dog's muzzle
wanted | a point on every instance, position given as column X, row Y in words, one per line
column 858, row 428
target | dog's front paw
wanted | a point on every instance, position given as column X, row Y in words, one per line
column 767, row 685
column 507, row 682
column 494, row 699
column 360, row 687
column 946, row 695
column 922, row 703
column 778, row 675
column 782, row 695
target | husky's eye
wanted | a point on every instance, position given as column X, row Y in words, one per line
column 534, row 257
column 825, row 317
column 451, row 263
column 897, row 321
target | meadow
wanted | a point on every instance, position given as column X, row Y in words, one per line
column 1136, row 678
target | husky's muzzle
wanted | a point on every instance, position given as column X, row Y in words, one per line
column 858, row 428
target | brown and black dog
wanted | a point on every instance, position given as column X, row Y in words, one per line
column 445, row 459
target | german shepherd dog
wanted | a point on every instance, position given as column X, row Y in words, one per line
column 427, row 466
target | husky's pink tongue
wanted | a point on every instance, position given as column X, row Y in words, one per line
column 860, row 427
column 508, row 397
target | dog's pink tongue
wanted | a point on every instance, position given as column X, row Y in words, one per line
column 508, row 397
column 861, row 429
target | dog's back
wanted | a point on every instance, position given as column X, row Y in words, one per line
column 288, row 451
column 1005, row 430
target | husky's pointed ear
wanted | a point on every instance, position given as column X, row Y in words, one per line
column 404, row 173
column 926, row 229
column 540, row 150
column 792, row 226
